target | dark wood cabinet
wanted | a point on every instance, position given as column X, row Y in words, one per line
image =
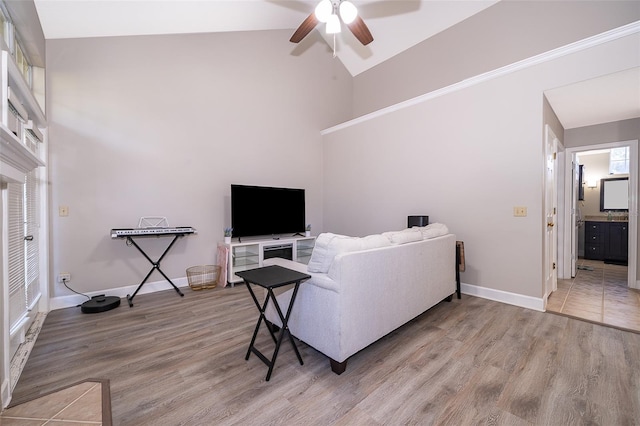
column 594, row 240
column 617, row 242
column 608, row 241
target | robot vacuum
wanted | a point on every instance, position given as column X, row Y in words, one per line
column 100, row 303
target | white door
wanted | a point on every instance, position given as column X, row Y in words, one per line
column 576, row 217
column 550, row 206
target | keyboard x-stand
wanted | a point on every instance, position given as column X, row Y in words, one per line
column 130, row 233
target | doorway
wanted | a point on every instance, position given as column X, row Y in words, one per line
column 593, row 289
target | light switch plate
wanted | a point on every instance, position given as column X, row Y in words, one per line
column 519, row 211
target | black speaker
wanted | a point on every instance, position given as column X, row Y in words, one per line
column 417, row 221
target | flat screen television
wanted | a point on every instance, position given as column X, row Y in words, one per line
column 261, row 210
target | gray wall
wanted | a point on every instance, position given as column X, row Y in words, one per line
column 549, row 117
column 617, row 131
column 466, row 159
column 594, row 165
column 162, row 125
column 502, row 34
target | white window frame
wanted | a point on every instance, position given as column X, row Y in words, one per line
column 16, row 47
column 625, row 161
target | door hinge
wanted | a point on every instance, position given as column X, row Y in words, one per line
column 554, row 155
column 554, row 210
column 554, row 265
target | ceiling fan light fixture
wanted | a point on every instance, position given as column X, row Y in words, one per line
column 333, row 13
column 348, row 12
column 324, row 10
column 333, row 24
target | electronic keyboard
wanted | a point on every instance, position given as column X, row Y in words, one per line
column 154, row 231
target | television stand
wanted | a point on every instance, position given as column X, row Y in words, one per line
column 284, row 251
column 245, row 255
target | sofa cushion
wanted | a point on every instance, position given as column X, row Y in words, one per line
column 374, row 241
column 320, row 256
column 328, row 245
column 404, row 236
column 433, row 230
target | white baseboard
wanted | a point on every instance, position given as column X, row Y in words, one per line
column 528, row 302
column 73, row 300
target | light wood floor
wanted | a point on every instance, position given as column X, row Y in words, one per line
column 599, row 292
column 173, row 360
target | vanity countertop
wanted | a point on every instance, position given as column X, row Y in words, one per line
column 603, row 219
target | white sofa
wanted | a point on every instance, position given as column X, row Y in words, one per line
column 363, row 288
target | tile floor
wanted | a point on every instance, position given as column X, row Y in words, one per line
column 86, row 403
column 598, row 293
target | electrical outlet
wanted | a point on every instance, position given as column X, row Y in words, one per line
column 64, row 277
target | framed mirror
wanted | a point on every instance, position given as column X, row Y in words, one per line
column 614, row 194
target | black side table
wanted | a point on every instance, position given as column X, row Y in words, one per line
column 270, row 277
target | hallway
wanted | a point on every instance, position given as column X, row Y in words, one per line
column 598, row 293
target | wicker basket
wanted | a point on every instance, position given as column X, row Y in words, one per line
column 203, row 276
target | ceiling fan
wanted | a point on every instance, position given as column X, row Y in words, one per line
column 331, row 12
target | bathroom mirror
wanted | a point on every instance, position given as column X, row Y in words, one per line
column 614, row 194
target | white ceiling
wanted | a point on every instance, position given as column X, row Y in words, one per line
column 609, row 98
column 396, row 25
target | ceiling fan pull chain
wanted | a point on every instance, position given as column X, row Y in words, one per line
column 334, row 46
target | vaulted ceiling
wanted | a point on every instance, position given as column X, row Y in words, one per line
column 396, row 25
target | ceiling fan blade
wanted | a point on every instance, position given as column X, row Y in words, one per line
column 361, row 31
column 304, row 28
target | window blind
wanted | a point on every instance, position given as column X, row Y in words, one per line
column 32, row 141
column 31, row 242
column 15, row 231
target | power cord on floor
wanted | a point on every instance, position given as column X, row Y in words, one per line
column 64, row 281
